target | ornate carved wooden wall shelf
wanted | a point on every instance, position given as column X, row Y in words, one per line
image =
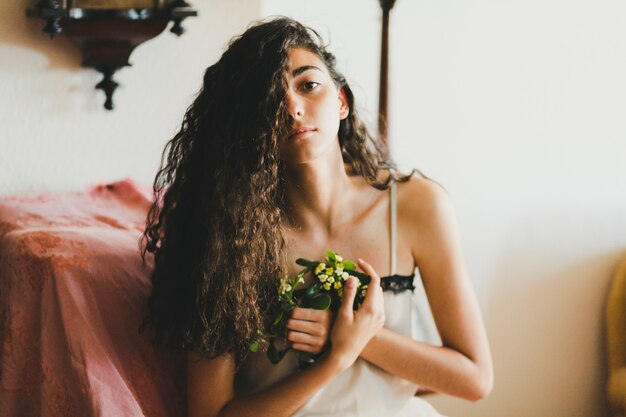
column 107, row 31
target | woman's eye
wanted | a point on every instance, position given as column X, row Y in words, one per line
column 310, row 85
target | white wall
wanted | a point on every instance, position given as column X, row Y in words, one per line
column 56, row 136
column 518, row 109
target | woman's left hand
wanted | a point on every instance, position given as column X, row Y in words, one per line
column 308, row 329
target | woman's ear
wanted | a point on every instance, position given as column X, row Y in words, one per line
column 344, row 109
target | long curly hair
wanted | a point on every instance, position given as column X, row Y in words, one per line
column 214, row 227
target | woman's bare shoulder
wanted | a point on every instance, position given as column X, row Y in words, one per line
column 421, row 197
column 426, row 219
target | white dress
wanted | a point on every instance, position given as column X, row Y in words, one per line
column 363, row 390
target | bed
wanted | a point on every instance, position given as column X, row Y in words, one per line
column 72, row 296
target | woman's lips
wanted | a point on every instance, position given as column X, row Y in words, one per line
column 300, row 133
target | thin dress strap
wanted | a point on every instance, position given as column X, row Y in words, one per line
column 393, row 226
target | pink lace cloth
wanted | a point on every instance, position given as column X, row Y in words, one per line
column 72, row 295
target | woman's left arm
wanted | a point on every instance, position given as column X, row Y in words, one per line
column 462, row 365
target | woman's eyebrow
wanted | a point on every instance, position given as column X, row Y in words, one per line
column 302, row 69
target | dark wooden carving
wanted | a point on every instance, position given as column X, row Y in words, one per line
column 108, row 37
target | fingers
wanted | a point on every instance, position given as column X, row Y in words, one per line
column 367, row 268
column 305, row 342
column 310, row 314
column 304, row 338
column 373, row 288
column 306, row 348
column 312, row 328
column 348, row 297
column 308, row 329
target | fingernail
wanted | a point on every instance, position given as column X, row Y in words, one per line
column 351, row 282
column 361, row 260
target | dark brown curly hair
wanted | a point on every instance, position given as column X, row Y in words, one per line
column 215, row 225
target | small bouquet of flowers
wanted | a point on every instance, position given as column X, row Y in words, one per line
column 325, row 293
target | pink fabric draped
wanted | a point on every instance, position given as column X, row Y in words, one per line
column 73, row 291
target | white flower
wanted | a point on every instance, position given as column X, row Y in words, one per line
column 284, row 287
column 283, row 283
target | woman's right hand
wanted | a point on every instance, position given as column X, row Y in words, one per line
column 352, row 330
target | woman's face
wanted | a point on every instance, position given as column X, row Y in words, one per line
column 315, row 107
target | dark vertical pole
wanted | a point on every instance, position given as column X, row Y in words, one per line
column 386, row 6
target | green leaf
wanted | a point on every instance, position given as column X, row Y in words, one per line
column 309, row 263
column 312, row 290
column 275, row 355
column 278, row 317
column 254, row 346
column 288, row 306
column 272, row 353
column 348, row 265
column 331, row 256
column 321, row 302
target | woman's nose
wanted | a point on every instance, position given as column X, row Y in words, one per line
column 295, row 107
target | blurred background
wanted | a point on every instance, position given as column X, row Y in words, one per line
column 517, row 108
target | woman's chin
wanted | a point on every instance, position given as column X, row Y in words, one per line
column 299, row 158
column 305, row 151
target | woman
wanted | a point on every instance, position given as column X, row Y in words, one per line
column 272, row 163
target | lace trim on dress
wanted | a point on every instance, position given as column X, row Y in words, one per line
column 397, row 283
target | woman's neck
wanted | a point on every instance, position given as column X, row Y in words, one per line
column 318, row 194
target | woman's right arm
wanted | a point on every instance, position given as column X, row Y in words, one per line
column 210, row 382
column 210, row 389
